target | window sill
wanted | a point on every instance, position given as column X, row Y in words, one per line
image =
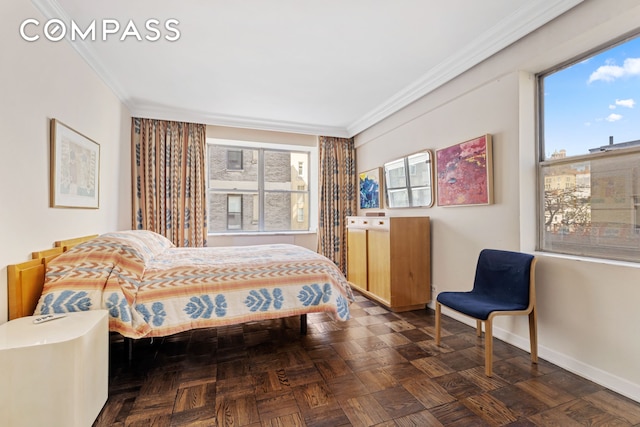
column 264, row 233
column 587, row 259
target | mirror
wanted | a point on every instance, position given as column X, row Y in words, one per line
column 408, row 181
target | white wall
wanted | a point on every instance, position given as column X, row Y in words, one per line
column 40, row 81
column 589, row 320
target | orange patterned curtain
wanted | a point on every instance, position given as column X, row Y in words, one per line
column 338, row 183
column 169, row 190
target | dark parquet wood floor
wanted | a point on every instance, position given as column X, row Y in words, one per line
column 379, row 368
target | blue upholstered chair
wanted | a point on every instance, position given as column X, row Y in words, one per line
column 504, row 285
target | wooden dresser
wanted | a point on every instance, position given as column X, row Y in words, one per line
column 389, row 260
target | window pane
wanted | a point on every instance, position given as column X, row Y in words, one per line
column 591, row 207
column 221, row 177
column 419, row 171
column 421, row 196
column 592, row 103
column 232, row 212
column 395, row 175
column 589, row 176
column 282, row 211
column 285, row 170
column 398, row 198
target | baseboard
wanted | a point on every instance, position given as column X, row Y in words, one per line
column 597, row 375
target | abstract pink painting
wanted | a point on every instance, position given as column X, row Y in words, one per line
column 464, row 173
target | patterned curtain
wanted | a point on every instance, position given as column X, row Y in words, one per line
column 338, row 183
column 169, row 180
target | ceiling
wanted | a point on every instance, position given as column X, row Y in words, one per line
column 330, row 67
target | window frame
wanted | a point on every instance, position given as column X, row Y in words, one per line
column 311, row 192
column 603, row 155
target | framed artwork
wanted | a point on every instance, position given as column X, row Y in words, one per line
column 75, row 169
column 464, row 173
column 370, row 190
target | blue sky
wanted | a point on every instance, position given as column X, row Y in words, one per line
column 592, row 100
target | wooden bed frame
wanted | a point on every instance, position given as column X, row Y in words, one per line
column 26, row 280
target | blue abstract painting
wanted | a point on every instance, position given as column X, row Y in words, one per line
column 370, row 189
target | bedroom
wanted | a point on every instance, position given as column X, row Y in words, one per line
column 597, row 338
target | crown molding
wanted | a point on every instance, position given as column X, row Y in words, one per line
column 50, row 9
column 530, row 17
column 166, row 113
column 509, row 30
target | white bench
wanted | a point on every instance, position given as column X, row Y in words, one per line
column 54, row 373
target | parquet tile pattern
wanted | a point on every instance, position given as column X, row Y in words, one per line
column 377, row 369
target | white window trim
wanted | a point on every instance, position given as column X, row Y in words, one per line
column 528, row 182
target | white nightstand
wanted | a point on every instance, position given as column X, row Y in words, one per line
column 54, row 373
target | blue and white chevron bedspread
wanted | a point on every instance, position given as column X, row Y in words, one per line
column 152, row 288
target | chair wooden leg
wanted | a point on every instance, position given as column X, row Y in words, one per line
column 488, row 348
column 478, row 328
column 438, row 311
column 533, row 334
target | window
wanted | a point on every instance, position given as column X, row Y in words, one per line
column 408, row 181
column 590, row 156
column 234, row 212
column 269, row 193
column 234, row 159
column 301, row 213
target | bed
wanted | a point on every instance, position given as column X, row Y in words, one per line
column 152, row 288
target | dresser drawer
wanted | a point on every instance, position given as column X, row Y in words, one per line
column 382, row 224
column 359, row 222
column 369, row 223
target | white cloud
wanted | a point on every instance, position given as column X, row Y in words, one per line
column 629, row 103
column 613, row 117
column 612, row 107
column 610, row 72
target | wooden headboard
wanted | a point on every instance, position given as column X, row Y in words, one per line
column 69, row 243
column 25, row 280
